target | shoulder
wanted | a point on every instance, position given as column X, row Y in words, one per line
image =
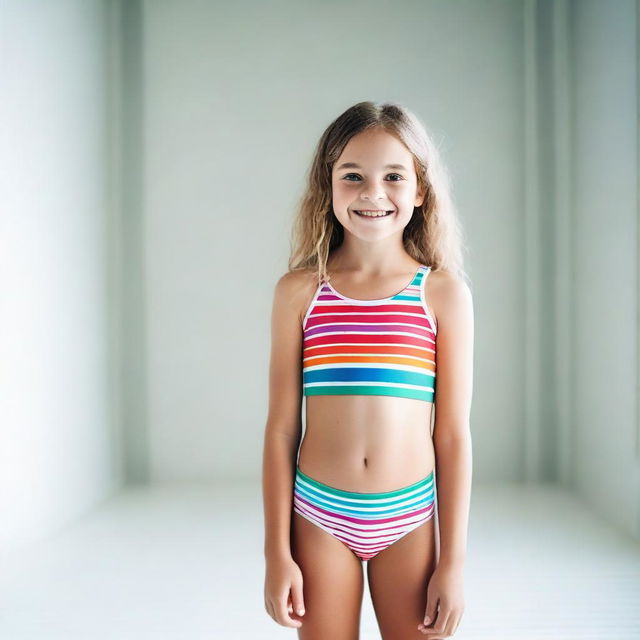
column 450, row 295
column 297, row 282
column 295, row 289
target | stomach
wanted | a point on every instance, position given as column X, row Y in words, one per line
column 367, row 444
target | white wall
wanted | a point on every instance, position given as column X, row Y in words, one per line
column 152, row 153
column 236, row 96
column 59, row 432
column 606, row 426
column 586, row 434
column 535, row 106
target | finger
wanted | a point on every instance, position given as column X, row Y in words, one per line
column 437, row 629
column 450, row 624
column 297, row 598
column 442, row 622
column 283, row 617
column 430, row 612
column 290, row 608
column 427, row 624
column 453, row 626
column 270, row 610
column 431, row 633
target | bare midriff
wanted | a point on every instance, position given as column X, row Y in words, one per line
column 367, row 443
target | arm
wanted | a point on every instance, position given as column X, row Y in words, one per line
column 284, row 423
column 452, row 436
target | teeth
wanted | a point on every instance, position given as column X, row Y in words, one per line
column 374, row 213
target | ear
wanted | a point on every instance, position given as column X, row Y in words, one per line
column 420, row 195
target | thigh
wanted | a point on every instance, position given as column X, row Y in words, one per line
column 333, row 583
column 398, row 578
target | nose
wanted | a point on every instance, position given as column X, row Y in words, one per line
column 372, row 192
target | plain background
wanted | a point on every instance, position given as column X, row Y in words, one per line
column 152, row 156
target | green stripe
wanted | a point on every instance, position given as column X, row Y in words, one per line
column 366, row 496
column 417, row 394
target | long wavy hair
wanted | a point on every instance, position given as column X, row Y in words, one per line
column 433, row 235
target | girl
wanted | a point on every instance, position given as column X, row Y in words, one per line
column 374, row 298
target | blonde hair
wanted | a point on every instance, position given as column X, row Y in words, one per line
column 433, row 236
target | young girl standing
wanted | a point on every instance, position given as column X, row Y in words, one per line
column 373, row 310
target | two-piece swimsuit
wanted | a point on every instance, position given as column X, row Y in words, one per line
column 368, row 347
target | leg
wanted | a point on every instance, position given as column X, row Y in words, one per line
column 333, row 583
column 398, row 577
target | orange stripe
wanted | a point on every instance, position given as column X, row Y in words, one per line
column 430, row 366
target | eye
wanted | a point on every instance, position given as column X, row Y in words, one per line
column 389, row 174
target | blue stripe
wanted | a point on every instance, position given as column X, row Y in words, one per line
column 367, row 374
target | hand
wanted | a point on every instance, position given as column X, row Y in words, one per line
column 283, row 591
column 446, row 590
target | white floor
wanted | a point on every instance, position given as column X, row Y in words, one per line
column 162, row 563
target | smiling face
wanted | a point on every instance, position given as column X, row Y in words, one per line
column 375, row 174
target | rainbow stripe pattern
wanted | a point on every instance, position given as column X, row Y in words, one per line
column 367, row 523
column 370, row 347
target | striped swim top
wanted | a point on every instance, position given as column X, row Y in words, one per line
column 370, row 347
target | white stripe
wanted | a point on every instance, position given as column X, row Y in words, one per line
column 416, row 497
column 368, row 345
column 311, row 304
column 432, row 322
column 370, row 531
column 429, row 345
column 426, row 339
column 369, row 384
column 360, row 313
column 370, row 333
column 365, row 547
column 349, row 530
column 369, row 323
column 368, row 355
column 412, row 300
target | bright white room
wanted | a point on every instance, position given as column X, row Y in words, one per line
column 153, row 155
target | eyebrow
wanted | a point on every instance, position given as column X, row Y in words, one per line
column 353, row 165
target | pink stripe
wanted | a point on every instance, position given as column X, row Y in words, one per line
column 401, row 306
column 372, row 537
column 392, row 519
column 364, row 550
column 386, row 328
column 379, row 339
column 367, row 533
column 371, row 540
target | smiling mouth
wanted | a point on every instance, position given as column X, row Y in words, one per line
column 373, row 213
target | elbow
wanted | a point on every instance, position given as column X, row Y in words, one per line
column 452, row 435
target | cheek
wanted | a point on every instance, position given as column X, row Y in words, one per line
column 341, row 192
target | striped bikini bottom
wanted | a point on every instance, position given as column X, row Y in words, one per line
column 366, row 522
